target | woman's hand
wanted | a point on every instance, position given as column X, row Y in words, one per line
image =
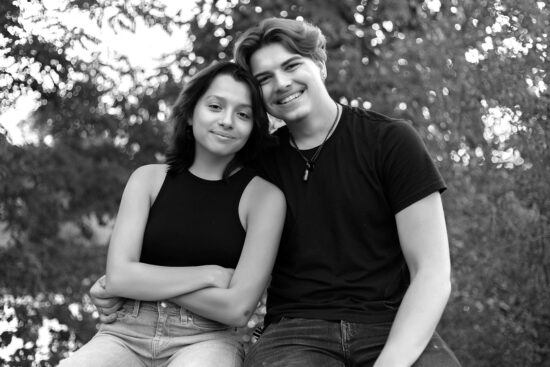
column 106, row 304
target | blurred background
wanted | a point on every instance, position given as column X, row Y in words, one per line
column 85, row 93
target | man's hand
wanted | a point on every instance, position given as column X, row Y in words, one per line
column 106, row 305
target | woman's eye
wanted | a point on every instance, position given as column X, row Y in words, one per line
column 263, row 80
column 244, row 115
column 214, row 106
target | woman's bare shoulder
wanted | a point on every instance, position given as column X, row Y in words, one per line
column 149, row 177
column 261, row 192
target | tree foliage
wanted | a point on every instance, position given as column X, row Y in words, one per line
column 472, row 76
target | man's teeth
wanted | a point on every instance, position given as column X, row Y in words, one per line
column 290, row 98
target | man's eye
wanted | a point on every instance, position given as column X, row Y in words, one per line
column 292, row 66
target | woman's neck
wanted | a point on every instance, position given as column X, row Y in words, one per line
column 209, row 169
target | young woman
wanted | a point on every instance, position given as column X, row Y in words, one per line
column 183, row 227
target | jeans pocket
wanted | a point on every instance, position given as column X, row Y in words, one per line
column 202, row 323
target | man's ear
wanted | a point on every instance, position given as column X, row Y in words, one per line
column 323, row 68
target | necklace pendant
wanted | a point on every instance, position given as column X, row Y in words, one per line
column 309, row 167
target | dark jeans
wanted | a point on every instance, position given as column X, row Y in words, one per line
column 319, row 343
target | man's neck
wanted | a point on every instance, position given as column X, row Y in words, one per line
column 311, row 131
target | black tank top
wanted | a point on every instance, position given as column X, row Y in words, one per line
column 196, row 222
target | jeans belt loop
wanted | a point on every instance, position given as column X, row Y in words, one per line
column 135, row 312
column 183, row 315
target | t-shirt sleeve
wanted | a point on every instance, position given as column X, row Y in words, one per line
column 409, row 172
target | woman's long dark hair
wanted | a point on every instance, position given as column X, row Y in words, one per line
column 181, row 152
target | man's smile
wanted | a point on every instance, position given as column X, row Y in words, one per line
column 290, row 98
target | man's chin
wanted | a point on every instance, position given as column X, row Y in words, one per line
column 290, row 116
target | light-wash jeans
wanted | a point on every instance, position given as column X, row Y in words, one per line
column 155, row 334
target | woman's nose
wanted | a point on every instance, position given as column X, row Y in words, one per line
column 226, row 120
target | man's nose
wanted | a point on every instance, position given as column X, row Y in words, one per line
column 282, row 80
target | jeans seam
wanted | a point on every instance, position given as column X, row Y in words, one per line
column 344, row 328
column 135, row 310
column 155, row 343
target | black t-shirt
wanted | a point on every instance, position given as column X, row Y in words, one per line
column 340, row 257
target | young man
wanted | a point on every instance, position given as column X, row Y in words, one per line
column 363, row 271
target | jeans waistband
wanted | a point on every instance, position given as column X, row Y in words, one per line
column 161, row 307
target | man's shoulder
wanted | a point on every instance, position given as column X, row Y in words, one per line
column 373, row 124
column 375, row 119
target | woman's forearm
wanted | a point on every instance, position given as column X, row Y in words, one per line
column 227, row 306
column 151, row 282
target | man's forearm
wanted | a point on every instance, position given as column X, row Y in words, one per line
column 416, row 320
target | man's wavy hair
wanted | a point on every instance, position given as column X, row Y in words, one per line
column 296, row 36
column 181, row 152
